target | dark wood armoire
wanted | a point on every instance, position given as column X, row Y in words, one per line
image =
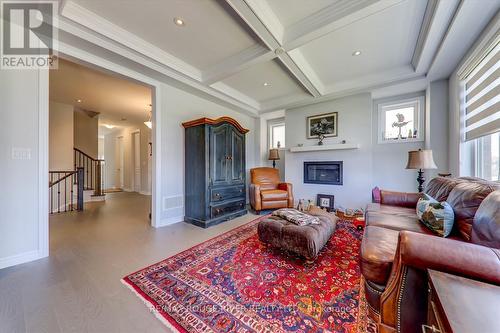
column 215, row 186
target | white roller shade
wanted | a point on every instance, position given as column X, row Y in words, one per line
column 482, row 97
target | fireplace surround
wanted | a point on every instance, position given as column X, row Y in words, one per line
column 324, row 172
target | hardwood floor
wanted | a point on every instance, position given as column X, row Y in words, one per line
column 77, row 288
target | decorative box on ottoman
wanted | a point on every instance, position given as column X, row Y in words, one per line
column 306, row 241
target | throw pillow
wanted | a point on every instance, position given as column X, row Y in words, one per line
column 435, row 215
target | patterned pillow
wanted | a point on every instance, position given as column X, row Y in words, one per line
column 435, row 215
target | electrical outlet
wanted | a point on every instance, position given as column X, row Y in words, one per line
column 21, row 153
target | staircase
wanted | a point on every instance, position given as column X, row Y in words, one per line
column 68, row 190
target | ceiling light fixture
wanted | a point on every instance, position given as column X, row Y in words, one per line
column 266, row 84
column 178, row 21
column 356, row 53
column 78, row 100
column 109, row 126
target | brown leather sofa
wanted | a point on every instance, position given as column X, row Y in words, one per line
column 267, row 191
column 397, row 249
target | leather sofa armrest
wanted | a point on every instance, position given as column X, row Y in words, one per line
column 403, row 304
column 403, row 199
column 450, row 256
column 255, row 199
column 289, row 188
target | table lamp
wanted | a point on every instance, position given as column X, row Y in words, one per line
column 420, row 160
column 274, row 156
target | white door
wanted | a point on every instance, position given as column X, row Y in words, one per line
column 136, row 139
column 119, row 163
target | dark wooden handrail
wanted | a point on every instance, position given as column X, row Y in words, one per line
column 85, row 154
column 93, row 170
column 68, row 174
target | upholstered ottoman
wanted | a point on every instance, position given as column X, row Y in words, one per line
column 305, row 241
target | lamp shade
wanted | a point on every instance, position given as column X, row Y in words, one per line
column 421, row 159
column 273, row 155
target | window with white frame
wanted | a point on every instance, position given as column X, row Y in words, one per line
column 276, row 134
column 481, row 118
column 401, row 120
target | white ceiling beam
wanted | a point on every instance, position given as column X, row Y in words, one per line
column 253, row 20
column 237, row 63
column 266, row 14
column 437, row 18
column 327, row 20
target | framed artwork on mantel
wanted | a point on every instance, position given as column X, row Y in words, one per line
column 325, row 124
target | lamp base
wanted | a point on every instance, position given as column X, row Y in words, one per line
column 274, row 164
column 420, row 180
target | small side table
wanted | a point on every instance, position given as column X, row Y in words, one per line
column 460, row 305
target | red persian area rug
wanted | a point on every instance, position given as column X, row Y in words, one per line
column 233, row 283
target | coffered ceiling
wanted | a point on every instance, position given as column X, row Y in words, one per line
column 275, row 54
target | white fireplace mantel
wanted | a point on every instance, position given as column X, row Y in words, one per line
column 338, row 146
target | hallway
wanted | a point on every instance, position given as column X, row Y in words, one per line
column 78, row 288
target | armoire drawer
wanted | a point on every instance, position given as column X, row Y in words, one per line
column 227, row 208
column 227, row 193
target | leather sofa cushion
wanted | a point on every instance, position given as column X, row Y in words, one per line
column 396, row 210
column 378, row 250
column 465, row 199
column 486, row 226
column 440, row 187
column 267, row 178
column 396, row 222
column 274, row 204
column 273, row 195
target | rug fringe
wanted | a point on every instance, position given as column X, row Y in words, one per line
column 151, row 307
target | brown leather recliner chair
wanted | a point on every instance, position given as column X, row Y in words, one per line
column 267, row 191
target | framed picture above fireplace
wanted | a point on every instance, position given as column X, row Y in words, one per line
column 322, row 123
column 325, row 201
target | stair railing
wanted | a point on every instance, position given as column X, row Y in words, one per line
column 93, row 171
column 61, row 190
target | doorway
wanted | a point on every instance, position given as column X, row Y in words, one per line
column 136, row 148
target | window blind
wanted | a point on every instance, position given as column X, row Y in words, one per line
column 482, row 97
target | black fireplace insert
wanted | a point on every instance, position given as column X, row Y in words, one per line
column 327, row 173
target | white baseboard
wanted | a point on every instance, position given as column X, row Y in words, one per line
column 169, row 221
column 128, row 190
column 145, row 192
column 20, row 258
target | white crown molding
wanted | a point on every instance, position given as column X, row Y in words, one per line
column 225, row 89
column 327, row 20
column 237, row 63
column 91, row 20
column 437, row 18
column 347, row 88
column 163, row 72
column 265, row 13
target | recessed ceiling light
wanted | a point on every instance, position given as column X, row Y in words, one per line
column 266, row 84
column 78, row 100
column 356, row 53
column 178, row 21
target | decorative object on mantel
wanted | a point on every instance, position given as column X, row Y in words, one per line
column 336, row 146
column 274, row 156
column 304, row 205
column 420, row 160
column 322, row 126
column 325, row 201
column 215, row 177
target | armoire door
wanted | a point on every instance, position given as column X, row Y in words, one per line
column 218, row 155
column 237, row 156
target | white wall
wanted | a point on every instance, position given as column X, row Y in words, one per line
column 86, row 133
column 61, row 137
column 21, row 103
column 436, row 126
column 178, row 107
column 354, row 126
